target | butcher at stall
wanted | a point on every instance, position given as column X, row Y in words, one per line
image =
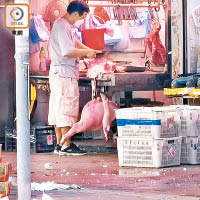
column 65, row 50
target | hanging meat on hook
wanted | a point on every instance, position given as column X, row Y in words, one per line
column 155, row 49
column 101, row 13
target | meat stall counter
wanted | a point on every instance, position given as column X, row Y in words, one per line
column 134, row 45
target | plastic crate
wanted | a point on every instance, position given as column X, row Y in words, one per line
column 177, row 91
column 45, row 138
column 188, row 120
column 190, row 150
column 156, row 122
column 42, row 139
column 141, row 152
column 11, row 141
column 89, row 135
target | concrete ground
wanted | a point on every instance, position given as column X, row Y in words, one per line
column 100, row 178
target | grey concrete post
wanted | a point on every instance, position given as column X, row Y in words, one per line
column 22, row 114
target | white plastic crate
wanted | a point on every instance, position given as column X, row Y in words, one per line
column 188, row 120
column 141, row 152
column 155, row 122
column 190, row 150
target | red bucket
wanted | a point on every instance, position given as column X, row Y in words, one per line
column 94, row 38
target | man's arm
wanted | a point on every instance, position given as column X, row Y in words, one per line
column 83, row 51
column 81, row 45
column 90, row 53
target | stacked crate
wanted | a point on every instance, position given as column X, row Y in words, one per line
column 11, row 140
column 148, row 137
column 189, row 130
column 42, row 139
column 4, row 177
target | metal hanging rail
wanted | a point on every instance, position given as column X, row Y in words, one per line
column 128, row 3
column 124, row 5
column 126, row 9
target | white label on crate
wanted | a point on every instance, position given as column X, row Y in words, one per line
column 172, row 150
column 49, row 139
column 170, row 121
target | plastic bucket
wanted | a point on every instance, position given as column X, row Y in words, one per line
column 94, row 38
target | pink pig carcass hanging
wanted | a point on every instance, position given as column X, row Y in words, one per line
column 96, row 114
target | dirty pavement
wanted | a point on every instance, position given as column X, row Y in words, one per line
column 98, row 176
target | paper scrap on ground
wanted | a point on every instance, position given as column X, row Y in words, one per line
column 50, row 185
column 48, row 166
column 46, row 186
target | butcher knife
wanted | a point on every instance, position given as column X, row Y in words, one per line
column 102, row 54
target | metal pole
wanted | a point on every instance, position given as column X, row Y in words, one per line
column 22, row 114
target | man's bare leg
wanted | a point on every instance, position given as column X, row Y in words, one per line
column 58, row 139
column 59, row 132
column 64, row 130
column 69, row 148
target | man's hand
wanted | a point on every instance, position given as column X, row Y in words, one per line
column 92, row 53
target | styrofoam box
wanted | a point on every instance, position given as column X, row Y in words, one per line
column 190, row 150
column 141, row 152
column 188, row 120
column 155, row 122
